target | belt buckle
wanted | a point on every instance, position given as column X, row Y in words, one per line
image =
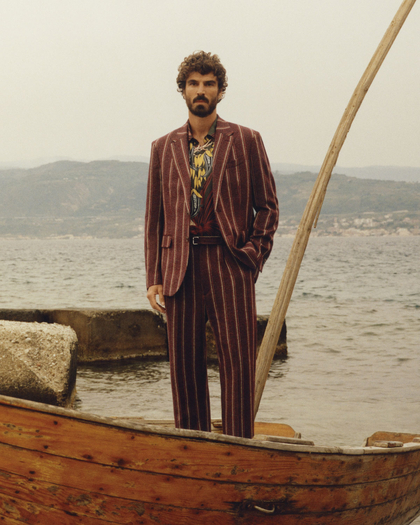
column 194, row 241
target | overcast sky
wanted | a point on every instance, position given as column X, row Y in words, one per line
column 91, row 79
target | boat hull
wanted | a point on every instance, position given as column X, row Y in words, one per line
column 61, row 466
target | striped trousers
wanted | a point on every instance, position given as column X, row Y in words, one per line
column 221, row 289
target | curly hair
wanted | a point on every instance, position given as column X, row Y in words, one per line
column 203, row 63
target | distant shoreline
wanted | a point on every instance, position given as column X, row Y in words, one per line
column 314, row 233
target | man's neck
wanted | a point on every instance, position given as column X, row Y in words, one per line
column 200, row 126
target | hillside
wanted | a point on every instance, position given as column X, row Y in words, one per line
column 352, row 206
column 391, row 173
column 107, row 199
column 348, row 195
column 74, row 189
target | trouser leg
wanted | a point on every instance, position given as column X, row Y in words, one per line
column 229, row 292
column 186, row 319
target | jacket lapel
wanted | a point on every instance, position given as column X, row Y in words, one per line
column 179, row 150
column 222, row 146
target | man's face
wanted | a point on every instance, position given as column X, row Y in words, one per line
column 201, row 94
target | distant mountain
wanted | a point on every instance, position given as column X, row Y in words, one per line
column 35, row 163
column 130, row 158
column 347, row 195
column 68, row 188
column 394, row 173
column 107, row 198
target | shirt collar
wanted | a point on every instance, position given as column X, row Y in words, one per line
column 210, row 135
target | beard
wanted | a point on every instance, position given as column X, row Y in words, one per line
column 202, row 110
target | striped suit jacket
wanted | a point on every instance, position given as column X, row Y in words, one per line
column 245, row 202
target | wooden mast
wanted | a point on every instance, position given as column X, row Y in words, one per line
column 314, row 205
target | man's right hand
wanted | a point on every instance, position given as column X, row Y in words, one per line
column 154, row 291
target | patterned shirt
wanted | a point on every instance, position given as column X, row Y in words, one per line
column 201, row 164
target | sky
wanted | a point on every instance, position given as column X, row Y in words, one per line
column 95, row 79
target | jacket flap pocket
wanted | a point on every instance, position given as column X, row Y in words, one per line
column 166, row 241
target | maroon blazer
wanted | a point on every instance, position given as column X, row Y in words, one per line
column 245, row 202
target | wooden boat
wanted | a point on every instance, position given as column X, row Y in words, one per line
column 60, row 466
column 63, row 467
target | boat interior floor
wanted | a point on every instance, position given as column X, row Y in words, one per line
column 282, row 433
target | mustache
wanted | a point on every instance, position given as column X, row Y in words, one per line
column 200, row 97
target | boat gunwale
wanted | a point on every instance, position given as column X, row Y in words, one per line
column 23, row 404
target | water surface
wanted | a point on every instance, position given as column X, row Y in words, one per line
column 353, row 330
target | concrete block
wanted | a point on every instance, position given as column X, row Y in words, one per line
column 38, row 361
column 25, row 315
column 107, row 335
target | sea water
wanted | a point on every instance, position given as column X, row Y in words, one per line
column 353, row 364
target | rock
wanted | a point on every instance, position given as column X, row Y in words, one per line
column 38, row 361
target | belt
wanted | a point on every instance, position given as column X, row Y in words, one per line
column 206, row 239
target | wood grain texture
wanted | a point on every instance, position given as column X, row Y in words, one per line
column 58, row 466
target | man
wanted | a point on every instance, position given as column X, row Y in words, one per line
column 211, row 215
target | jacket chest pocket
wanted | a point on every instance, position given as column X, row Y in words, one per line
column 235, row 162
column 236, row 183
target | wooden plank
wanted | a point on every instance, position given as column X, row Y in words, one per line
column 28, row 512
column 395, row 512
column 281, row 439
column 6, row 520
column 275, row 429
column 391, row 436
column 192, row 493
column 71, row 507
column 191, row 458
column 68, row 499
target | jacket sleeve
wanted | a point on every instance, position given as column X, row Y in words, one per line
column 153, row 226
column 265, row 202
